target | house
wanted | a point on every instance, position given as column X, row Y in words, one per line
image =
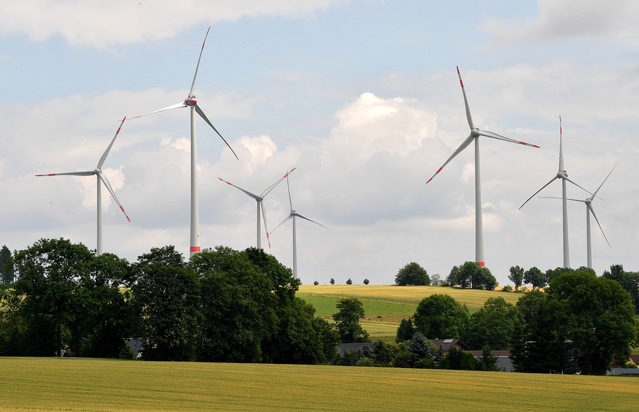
column 446, row 344
column 503, row 359
column 344, row 348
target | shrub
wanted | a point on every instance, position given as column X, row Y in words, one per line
column 507, row 288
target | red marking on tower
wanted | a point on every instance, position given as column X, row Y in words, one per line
column 482, row 264
column 195, row 249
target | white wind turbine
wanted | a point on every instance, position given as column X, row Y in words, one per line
column 292, row 215
column 191, row 103
column 260, row 206
column 589, row 210
column 474, row 136
column 563, row 176
column 100, row 178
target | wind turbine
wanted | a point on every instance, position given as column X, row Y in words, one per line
column 589, row 210
column 191, row 103
column 100, row 177
column 292, row 215
column 474, row 136
column 563, row 176
column 260, row 206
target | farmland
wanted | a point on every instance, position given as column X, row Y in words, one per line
column 110, row 385
column 385, row 306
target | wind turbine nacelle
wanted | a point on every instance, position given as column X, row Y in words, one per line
column 191, row 101
column 562, row 174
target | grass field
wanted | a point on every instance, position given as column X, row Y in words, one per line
column 386, row 306
column 37, row 384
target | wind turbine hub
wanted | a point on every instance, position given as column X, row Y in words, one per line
column 474, row 132
column 562, row 174
column 191, row 101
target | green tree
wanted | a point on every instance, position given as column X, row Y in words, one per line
column 349, row 281
column 535, row 277
column 597, row 316
column 332, row 282
column 405, row 331
column 350, row 311
column 628, row 280
column 441, row 316
column 366, row 281
column 6, row 268
column 48, row 274
column 516, row 276
column 492, row 325
column 166, row 296
column 412, row 274
column 487, row 362
column 552, row 274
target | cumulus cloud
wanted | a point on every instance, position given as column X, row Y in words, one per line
column 91, row 22
column 589, row 20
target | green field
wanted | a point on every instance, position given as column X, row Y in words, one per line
column 386, row 306
column 108, row 385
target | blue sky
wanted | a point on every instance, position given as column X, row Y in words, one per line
column 362, row 97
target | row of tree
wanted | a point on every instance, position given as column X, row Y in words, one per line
column 222, row 305
column 579, row 323
column 468, row 275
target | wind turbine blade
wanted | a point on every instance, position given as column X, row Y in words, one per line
column 598, row 224
column 290, row 200
column 108, row 149
column 268, row 237
column 587, row 191
column 312, row 221
column 271, row 187
column 556, row 197
column 283, row 221
column 464, row 145
column 542, row 188
column 110, row 189
column 561, row 146
column 175, row 106
column 206, row 119
column 197, row 66
column 254, row 196
column 604, row 181
column 468, row 116
column 504, row 138
column 85, row 173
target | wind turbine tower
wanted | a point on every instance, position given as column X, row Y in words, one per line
column 475, row 133
column 100, row 178
column 260, row 206
column 192, row 104
column 563, row 176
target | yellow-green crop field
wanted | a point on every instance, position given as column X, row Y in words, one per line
column 53, row 384
column 385, row 306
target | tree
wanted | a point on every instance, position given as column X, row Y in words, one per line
column 48, row 274
column 516, row 276
column 535, row 277
column 473, row 275
column 405, row 331
column 628, row 280
column 366, row 281
column 487, row 362
column 552, row 274
column 441, row 316
column 350, row 311
column 412, row 275
column 6, row 268
column 166, row 295
column 349, row 281
column 597, row 316
column 492, row 325
column 332, row 281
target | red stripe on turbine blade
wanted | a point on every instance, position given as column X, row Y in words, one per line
column 195, row 249
column 47, row 174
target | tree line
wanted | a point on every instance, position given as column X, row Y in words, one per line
column 579, row 323
column 221, row 305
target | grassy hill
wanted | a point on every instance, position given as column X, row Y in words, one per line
column 55, row 384
column 385, row 306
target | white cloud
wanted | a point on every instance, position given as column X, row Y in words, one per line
column 104, row 24
column 587, row 20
